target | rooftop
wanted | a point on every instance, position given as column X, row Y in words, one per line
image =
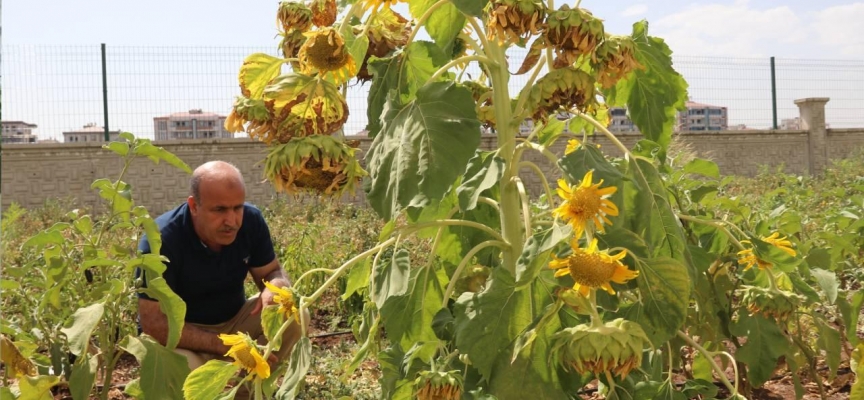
column 192, row 113
column 693, row 104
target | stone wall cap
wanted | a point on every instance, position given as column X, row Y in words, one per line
column 812, row 100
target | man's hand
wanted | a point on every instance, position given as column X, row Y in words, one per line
column 264, row 299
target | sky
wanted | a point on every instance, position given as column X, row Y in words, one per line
column 60, row 39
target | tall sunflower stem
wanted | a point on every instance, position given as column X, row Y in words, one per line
column 721, row 226
column 526, row 207
column 351, row 11
column 344, row 268
column 259, row 393
column 596, row 320
column 480, row 34
column 451, row 286
column 709, row 356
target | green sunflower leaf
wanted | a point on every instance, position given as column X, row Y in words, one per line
column 83, row 376
column 390, row 277
column 444, row 24
column 209, row 380
column 162, row 370
column 301, row 359
column 257, row 71
column 484, row 171
column 408, row 318
column 765, row 344
column 84, row 322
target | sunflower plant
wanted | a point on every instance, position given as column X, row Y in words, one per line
column 521, row 296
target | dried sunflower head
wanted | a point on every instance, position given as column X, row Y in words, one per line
column 515, row 20
column 325, row 52
column 387, row 32
column 293, row 16
column 290, row 45
column 771, row 303
column 323, row 12
column 572, row 33
column 259, row 116
column 615, row 347
column 305, row 106
column 566, row 87
column 319, row 164
column 438, row 385
column 614, row 59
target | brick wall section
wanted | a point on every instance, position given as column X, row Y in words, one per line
column 33, row 173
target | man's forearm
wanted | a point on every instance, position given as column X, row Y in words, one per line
column 155, row 324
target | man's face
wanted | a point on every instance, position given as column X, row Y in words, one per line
column 218, row 213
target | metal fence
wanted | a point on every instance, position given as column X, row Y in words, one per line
column 60, row 88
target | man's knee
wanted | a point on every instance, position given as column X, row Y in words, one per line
column 193, row 359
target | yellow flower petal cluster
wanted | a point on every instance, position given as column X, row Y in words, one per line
column 748, row 258
column 325, row 52
column 585, row 203
column 245, row 354
column 592, row 269
column 285, row 299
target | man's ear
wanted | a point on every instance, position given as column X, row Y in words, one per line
column 193, row 206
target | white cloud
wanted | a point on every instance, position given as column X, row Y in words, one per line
column 636, row 10
column 839, row 27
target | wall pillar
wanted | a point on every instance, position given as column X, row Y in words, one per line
column 812, row 112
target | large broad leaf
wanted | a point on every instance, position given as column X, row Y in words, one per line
column 422, row 149
column 358, row 278
column 398, row 378
column 536, row 253
column 84, row 322
column 257, row 71
column 445, row 22
column 37, row 387
column 301, row 359
column 162, row 370
column 652, row 94
column 829, row 342
column 83, row 376
column 390, row 277
column 356, row 46
column 851, row 312
column 587, row 158
column 408, row 318
column 484, row 171
column 208, row 380
column 765, row 344
column 171, row 305
column 827, row 281
column 402, row 74
column 665, row 288
column 471, row 7
column 271, row 321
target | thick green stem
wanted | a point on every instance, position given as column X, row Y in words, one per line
column 709, row 356
column 310, row 272
column 596, row 320
column 344, row 268
column 526, row 207
column 489, row 202
column 465, row 260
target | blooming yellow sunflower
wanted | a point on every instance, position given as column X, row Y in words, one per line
column 592, row 269
column 572, row 145
column 585, row 202
column 325, row 52
column 245, row 354
column 748, row 258
column 285, row 299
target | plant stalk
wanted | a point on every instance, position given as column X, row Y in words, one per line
column 709, row 356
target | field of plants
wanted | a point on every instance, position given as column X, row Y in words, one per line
column 645, row 276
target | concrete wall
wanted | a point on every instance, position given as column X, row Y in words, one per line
column 33, row 173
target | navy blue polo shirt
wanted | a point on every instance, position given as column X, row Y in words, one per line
column 211, row 283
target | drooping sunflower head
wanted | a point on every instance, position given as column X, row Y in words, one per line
column 438, row 385
column 515, row 20
column 258, row 114
column 325, row 52
column 572, row 33
column 592, row 269
column 572, row 145
column 780, row 242
column 586, row 203
column 318, row 164
column 387, row 32
column 614, row 347
column 614, row 59
column 748, row 258
column 305, row 106
column 566, row 88
column 285, row 299
column 245, row 353
column 323, row 12
column 293, row 16
column 770, row 303
column 290, row 45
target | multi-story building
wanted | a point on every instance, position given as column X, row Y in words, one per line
column 89, row 133
column 702, row 117
column 18, row 132
column 620, row 122
column 195, row 124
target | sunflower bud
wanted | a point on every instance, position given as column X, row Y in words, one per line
column 614, row 347
column 515, row 20
column 572, row 32
column 614, row 59
column 565, row 87
column 293, row 16
column 319, row 164
column 432, row 385
column 323, row 12
column 473, row 280
column 770, row 303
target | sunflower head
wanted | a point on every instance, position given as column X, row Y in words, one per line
column 285, row 298
column 245, row 353
column 572, row 145
column 290, row 45
column 770, row 303
column 614, row 59
column 438, row 385
column 293, row 16
column 586, row 203
column 748, row 258
column 515, row 20
column 592, row 269
column 572, row 33
column 325, row 52
column 565, row 88
column 304, row 106
column 614, row 347
column 387, row 32
column 259, row 116
column 473, row 279
column 318, row 164
column 323, row 12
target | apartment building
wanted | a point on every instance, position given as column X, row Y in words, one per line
column 18, row 132
column 702, row 117
column 194, row 124
column 90, row 133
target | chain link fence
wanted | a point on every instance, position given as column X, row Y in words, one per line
column 60, row 88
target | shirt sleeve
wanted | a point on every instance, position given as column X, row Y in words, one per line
column 262, row 244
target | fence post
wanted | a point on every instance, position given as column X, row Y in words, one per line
column 812, row 112
column 105, row 93
column 773, row 93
